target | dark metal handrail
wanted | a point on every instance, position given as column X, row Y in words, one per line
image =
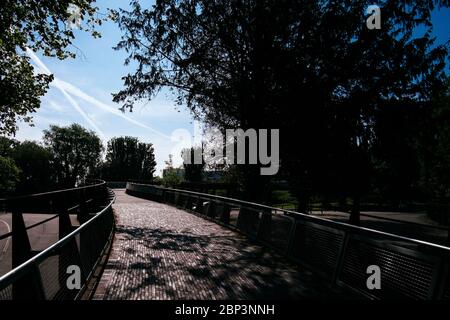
column 331, row 223
column 42, row 275
column 95, row 184
column 9, row 278
column 338, row 251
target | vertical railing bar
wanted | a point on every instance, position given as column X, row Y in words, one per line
column 340, row 259
column 439, row 280
column 291, row 239
column 38, row 284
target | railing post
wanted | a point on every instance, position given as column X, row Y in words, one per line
column 29, row 286
column 21, row 248
column 177, row 199
column 211, row 209
column 225, row 216
column 199, row 205
column 340, row 259
column 83, row 214
column 448, row 236
column 248, row 221
column 292, row 238
column 69, row 255
column 265, row 227
column 439, row 280
column 188, row 203
column 64, row 224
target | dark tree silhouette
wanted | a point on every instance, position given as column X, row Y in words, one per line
column 76, row 152
column 9, row 172
column 7, row 146
column 310, row 68
column 193, row 172
column 434, row 146
column 9, row 175
column 40, row 26
column 34, row 161
column 129, row 159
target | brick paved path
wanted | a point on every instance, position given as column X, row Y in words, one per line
column 160, row 252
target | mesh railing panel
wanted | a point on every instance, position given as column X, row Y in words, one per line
column 49, row 271
column 446, row 293
column 317, row 246
column 403, row 275
column 6, row 293
column 339, row 252
column 248, row 221
column 234, row 215
column 275, row 229
column 46, row 275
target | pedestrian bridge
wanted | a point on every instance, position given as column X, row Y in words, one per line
column 178, row 244
column 161, row 252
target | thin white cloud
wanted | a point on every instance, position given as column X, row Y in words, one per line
column 55, row 83
column 164, row 144
column 75, row 91
column 66, row 88
column 40, row 122
column 55, row 106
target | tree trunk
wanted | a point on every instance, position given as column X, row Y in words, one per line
column 355, row 213
column 255, row 185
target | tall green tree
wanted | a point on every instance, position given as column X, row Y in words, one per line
column 35, row 163
column 9, row 175
column 312, row 69
column 129, row 159
column 40, row 25
column 76, row 152
column 7, row 146
column 9, row 172
column 435, row 162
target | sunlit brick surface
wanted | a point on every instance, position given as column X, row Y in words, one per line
column 160, row 252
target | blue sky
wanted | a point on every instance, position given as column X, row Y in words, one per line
column 89, row 81
column 82, row 93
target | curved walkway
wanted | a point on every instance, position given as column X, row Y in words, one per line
column 160, row 252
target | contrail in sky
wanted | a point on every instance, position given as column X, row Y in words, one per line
column 82, row 95
column 76, row 106
column 67, row 88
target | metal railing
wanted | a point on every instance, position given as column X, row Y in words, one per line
column 64, row 269
column 423, row 231
column 341, row 253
